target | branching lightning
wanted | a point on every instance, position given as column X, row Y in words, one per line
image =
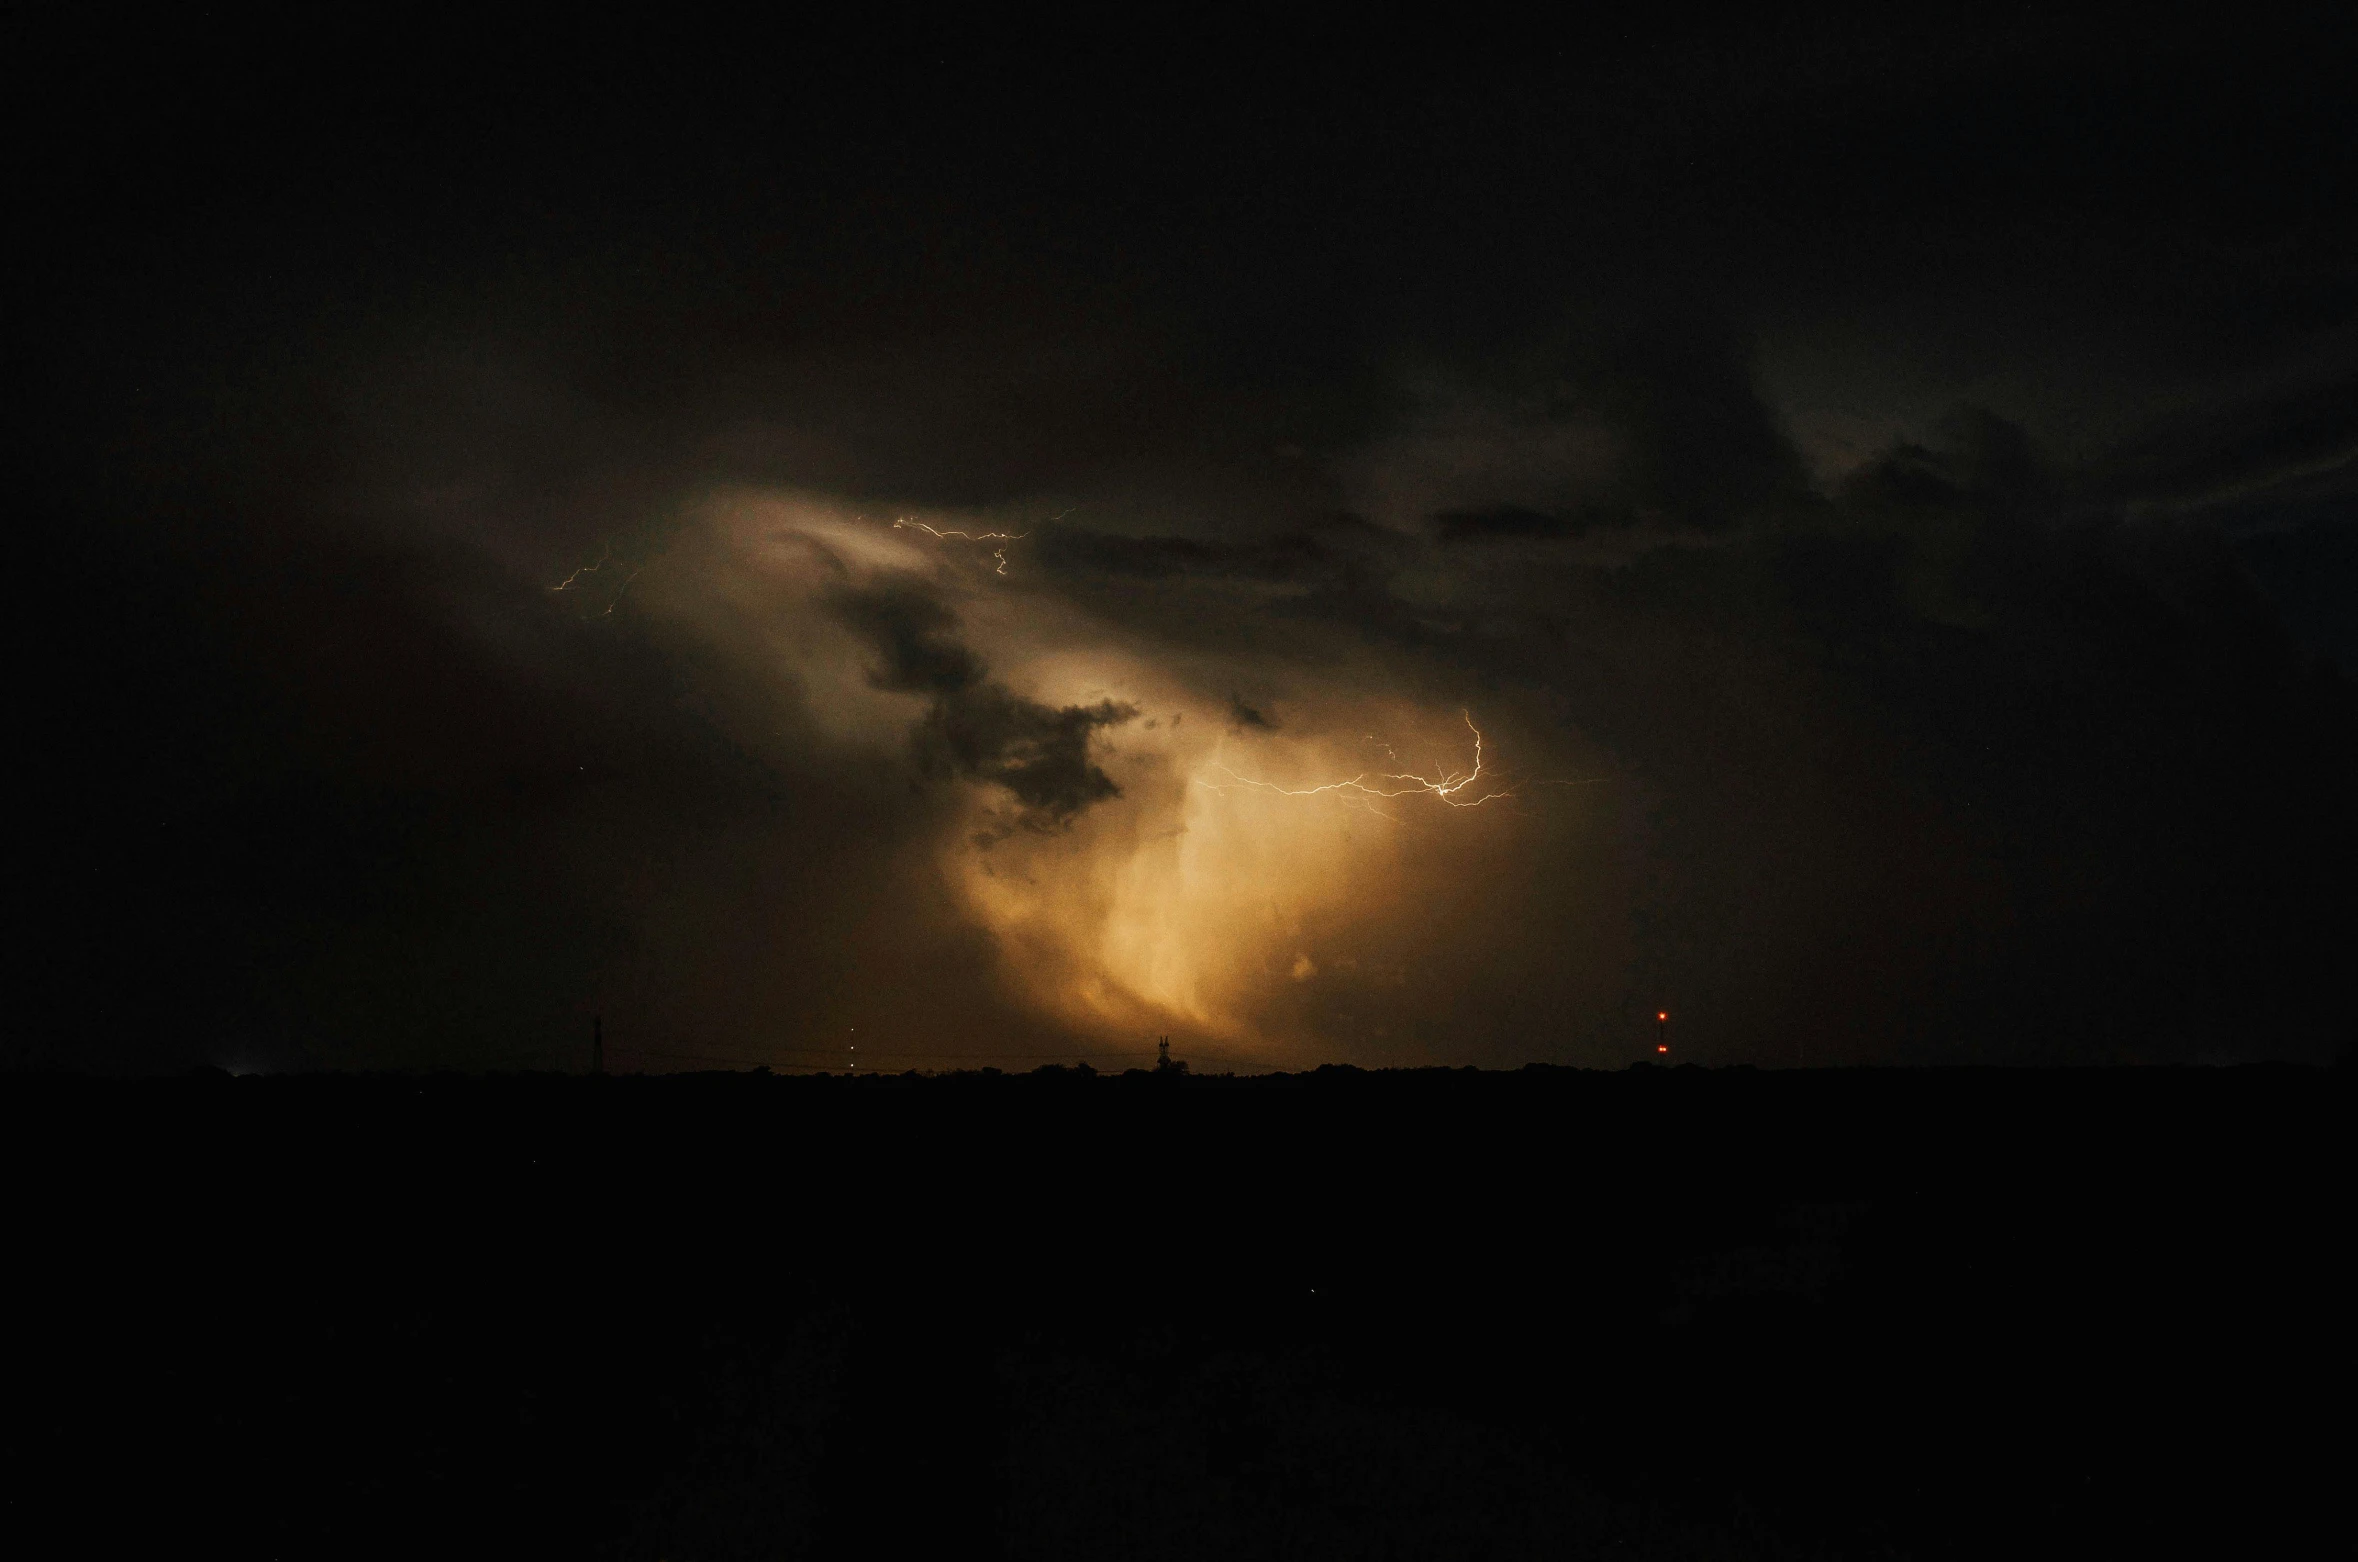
column 1455, row 788
column 605, row 557
column 1002, row 539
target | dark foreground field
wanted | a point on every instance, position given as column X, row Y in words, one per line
column 1550, row 1314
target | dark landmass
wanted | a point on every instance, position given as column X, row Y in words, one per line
column 1666, row 1313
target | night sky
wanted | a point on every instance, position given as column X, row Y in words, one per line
column 997, row 550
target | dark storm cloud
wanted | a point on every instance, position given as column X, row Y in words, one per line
column 975, row 728
column 1248, row 718
column 1508, row 520
column 1962, row 749
column 1039, row 753
column 1449, row 383
column 2297, row 443
column 909, row 627
column 1701, row 448
column 1289, row 557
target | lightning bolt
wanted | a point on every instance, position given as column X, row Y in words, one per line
column 619, row 590
column 1001, row 538
column 605, row 557
column 587, row 569
column 1455, row 788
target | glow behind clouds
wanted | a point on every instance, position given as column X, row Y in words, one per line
column 1883, row 495
column 1242, row 870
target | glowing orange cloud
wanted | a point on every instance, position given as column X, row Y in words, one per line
column 1225, row 906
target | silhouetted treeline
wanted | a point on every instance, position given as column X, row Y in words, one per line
column 1662, row 1313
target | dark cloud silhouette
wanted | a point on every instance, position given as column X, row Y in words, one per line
column 1039, row 753
column 909, row 627
column 1247, row 718
column 1700, row 446
column 1294, row 555
column 974, row 728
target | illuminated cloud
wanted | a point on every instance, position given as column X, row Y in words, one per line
column 1437, row 592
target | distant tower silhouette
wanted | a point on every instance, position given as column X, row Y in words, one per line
column 598, row 1044
column 1162, row 1059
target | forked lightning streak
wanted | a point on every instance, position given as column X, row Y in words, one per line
column 1455, row 788
column 1001, row 538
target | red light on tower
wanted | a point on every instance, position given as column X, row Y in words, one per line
column 1661, row 1032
